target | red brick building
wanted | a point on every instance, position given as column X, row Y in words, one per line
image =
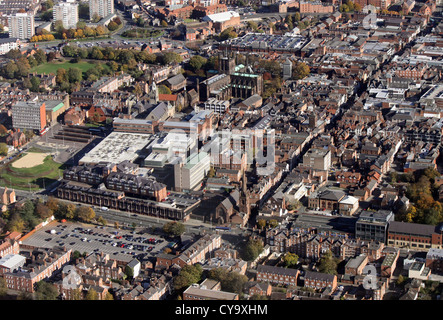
column 414, row 236
column 44, row 263
column 320, row 281
column 277, row 275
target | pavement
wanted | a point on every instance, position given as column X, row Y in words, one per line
column 67, row 234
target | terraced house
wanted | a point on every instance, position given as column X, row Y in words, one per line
column 277, row 275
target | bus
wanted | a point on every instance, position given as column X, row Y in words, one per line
column 222, row 228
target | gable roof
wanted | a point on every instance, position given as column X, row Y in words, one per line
column 278, row 270
column 319, row 276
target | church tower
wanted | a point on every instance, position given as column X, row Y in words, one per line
column 244, row 203
column 226, row 64
column 153, row 94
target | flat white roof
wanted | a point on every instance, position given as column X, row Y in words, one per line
column 118, row 147
column 221, row 17
column 11, row 260
column 349, row 200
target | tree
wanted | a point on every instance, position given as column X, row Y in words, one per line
column 61, row 76
column 257, row 296
column 85, row 214
column 129, row 272
column 138, row 89
column 3, row 130
column 74, row 75
column 96, row 54
column 228, row 33
column 150, row 58
column 230, row 281
column 300, row 71
column 35, row 84
column 109, row 296
column 3, row 149
column 3, row 287
column 252, row 249
column 13, row 54
column 211, row 172
column 290, row 259
column 32, row 62
column 328, row 264
column 27, row 83
column 24, row 295
column 400, row 280
column 10, row 70
column 49, row 4
column 234, row 282
column 65, row 211
column 95, row 18
column 46, row 291
column 112, row 26
column 23, row 67
column 102, row 221
column 100, row 30
column 174, row 228
column 113, row 65
column 188, row 275
column 77, row 294
column 91, row 295
column 29, row 134
column 43, row 211
column 40, row 56
column 170, row 57
column 69, row 51
column 162, row 89
column 197, row 62
column 261, row 223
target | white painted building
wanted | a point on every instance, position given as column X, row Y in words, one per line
column 67, row 12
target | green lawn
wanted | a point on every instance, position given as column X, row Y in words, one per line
column 51, row 67
column 33, row 178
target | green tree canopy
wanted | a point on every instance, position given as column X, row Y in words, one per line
column 188, row 275
column 328, row 263
column 170, row 57
column 290, row 259
column 85, row 214
column 91, row 295
column 300, row 71
column 252, row 249
column 174, row 228
column 46, row 291
column 197, row 62
column 3, row 149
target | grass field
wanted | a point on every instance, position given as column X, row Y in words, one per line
column 51, row 67
column 33, row 178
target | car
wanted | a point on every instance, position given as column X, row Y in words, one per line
column 71, row 243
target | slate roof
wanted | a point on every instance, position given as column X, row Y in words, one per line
column 278, row 270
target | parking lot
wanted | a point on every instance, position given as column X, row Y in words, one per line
column 122, row 245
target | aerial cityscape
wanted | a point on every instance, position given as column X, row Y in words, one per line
column 223, row 150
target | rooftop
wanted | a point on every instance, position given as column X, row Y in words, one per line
column 117, row 147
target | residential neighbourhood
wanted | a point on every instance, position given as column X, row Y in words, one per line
column 221, row 150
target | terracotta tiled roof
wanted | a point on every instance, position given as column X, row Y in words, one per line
column 167, row 97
